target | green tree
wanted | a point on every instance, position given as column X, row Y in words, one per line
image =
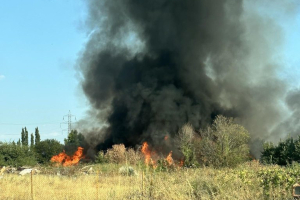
column 16, row 155
column 24, row 137
column 267, row 156
column 185, row 140
column 19, row 142
column 73, row 141
column 223, row 144
column 297, row 150
column 37, row 136
column 74, row 138
column 31, row 141
column 284, row 153
column 46, row 149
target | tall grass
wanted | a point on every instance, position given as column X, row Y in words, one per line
column 108, row 183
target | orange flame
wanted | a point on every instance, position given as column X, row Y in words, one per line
column 151, row 157
column 169, row 159
column 181, row 163
column 147, row 153
column 65, row 160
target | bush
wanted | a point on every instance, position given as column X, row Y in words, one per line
column 284, row 153
column 278, row 178
column 46, row 149
column 74, row 141
column 119, row 154
column 185, row 140
column 132, row 156
column 223, row 144
column 101, row 158
column 16, row 155
column 116, row 154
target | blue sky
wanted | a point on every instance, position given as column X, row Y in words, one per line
column 39, row 44
column 292, row 53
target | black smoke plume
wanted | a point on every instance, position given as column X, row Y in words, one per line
column 150, row 66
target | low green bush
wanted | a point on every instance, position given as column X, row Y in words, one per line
column 16, row 155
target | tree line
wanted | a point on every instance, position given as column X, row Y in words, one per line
column 37, row 151
column 221, row 144
column 34, row 139
column 284, row 153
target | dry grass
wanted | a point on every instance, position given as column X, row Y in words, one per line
column 120, row 155
column 116, row 154
column 201, row 183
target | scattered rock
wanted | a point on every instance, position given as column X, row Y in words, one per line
column 23, row 167
column 127, row 171
column 90, row 171
column 2, row 170
column 86, row 170
column 11, row 170
column 85, row 167
column 25, row 171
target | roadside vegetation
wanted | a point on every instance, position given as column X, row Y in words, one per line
column 250, row 180
column 213, row 163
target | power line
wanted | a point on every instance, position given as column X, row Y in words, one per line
column 69, row 122
column 38, row 123
column 9, row 134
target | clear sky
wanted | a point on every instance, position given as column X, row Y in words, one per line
column 39, row 44
column 292, row 52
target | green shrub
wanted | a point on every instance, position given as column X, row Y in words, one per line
column 46, row 149
column 185, row 140
column 284, row 153
column 276, row 178
column 101, row 158
column 73, row 141
column 223, row 144
column 15, row 155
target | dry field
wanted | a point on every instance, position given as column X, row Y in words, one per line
column 105, row 182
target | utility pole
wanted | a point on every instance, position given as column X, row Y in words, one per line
column 69, row 122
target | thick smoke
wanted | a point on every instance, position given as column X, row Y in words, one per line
column 150, row 66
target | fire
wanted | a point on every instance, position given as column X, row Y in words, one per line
column 151, row 157
column 147, row 153
column 169, row 159
column 65, row 160
column 181, row 163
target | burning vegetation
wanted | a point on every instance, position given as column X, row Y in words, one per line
column 66, row 160
column 148, row 154
column 151, row 157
